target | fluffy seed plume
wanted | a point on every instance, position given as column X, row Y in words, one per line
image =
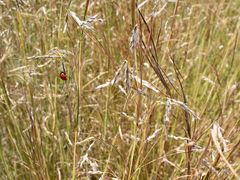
column 153, row 135
column 85, row 24
column 134, row 39
column 125, row 75
column 217, row 139
column 184, row 106
column 167, row 112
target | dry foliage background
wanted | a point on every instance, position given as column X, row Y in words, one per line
column 152, row 89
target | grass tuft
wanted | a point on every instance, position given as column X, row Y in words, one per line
column 152, row 89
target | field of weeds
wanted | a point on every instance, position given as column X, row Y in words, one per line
column 120, row 90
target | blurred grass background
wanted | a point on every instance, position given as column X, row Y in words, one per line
column 186, row 57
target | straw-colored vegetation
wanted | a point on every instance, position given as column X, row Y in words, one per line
column 152, row 89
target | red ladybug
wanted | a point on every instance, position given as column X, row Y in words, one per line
column 63, row 76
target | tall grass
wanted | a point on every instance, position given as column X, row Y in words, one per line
column 152, row 89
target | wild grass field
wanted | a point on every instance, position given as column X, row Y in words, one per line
column 152, row 89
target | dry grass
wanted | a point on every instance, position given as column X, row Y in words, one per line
column 152, row 90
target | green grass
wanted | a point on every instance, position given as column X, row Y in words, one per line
column 186, row 55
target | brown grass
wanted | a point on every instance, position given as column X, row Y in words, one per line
column 152, row 89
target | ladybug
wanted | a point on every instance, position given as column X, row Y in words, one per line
column 63, row 76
